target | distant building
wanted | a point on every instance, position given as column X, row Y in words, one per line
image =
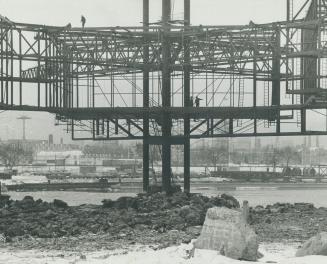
column 50, row 139
column 59, row 158
column 28, row 144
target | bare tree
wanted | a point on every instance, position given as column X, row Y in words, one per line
column 13, row 154
column 289, row 154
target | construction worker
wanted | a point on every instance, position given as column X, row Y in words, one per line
column 83, row 21
column 197, row 101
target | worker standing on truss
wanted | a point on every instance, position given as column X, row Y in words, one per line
column 197, row 101
column 83, row 21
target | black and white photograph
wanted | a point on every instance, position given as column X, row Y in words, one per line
column 163, row 131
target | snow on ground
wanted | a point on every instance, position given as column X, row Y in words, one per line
column 273, row 253
column 24, row 178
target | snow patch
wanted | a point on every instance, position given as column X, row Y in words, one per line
column 273, row 253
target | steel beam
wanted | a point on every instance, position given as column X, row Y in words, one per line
column 275, row 76
column 146, row 149
column 166, row 97
column 187, row 103
column 255, row 123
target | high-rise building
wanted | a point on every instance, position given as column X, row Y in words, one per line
column 50, row 139
column 257, row 143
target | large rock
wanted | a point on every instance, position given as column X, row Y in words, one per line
column 226, row 231
column 60, row 203
column 108, row 203
column 126, row 202
column 316, row 245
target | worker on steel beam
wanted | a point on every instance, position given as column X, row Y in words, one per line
column 197, row 101
column 83, row 21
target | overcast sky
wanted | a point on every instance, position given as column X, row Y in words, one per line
column 123, row 13
column 129, row 12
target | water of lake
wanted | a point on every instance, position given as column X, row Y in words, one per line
column 255, row 197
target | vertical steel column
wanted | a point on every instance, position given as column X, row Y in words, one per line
column 6, row 70
column 77, row 91
column 231, row 127
column 146, row 153
column 276, row 76
column 1, row 66
column 20, row 69
column 319, row 46
column 12, row 67
column 72, row 129
column 64, row 79
column 60, row 89
column 46, row 63
column 288, row 6
column 57, row 79
column 38, row 69
column 65, row 90
column 71, row 74
column 50, row 76
column 255, row 89
column 303, row 76
column 166, row 96
column 187, row 66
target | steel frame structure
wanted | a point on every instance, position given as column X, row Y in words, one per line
column 116, row 83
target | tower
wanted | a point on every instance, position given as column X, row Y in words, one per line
column 24, row 118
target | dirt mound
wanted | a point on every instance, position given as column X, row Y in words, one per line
column 157, row 212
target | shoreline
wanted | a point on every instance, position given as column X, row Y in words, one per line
column 137, row 187
column 255, row 197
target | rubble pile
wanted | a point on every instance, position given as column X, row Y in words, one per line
column 151, row 219
column 156, row 212
column 288, row 222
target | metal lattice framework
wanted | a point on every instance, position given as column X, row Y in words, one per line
column 138, row 82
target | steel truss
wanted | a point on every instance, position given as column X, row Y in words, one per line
column 115, row 83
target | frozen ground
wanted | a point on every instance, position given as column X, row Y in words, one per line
column 273, row 253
